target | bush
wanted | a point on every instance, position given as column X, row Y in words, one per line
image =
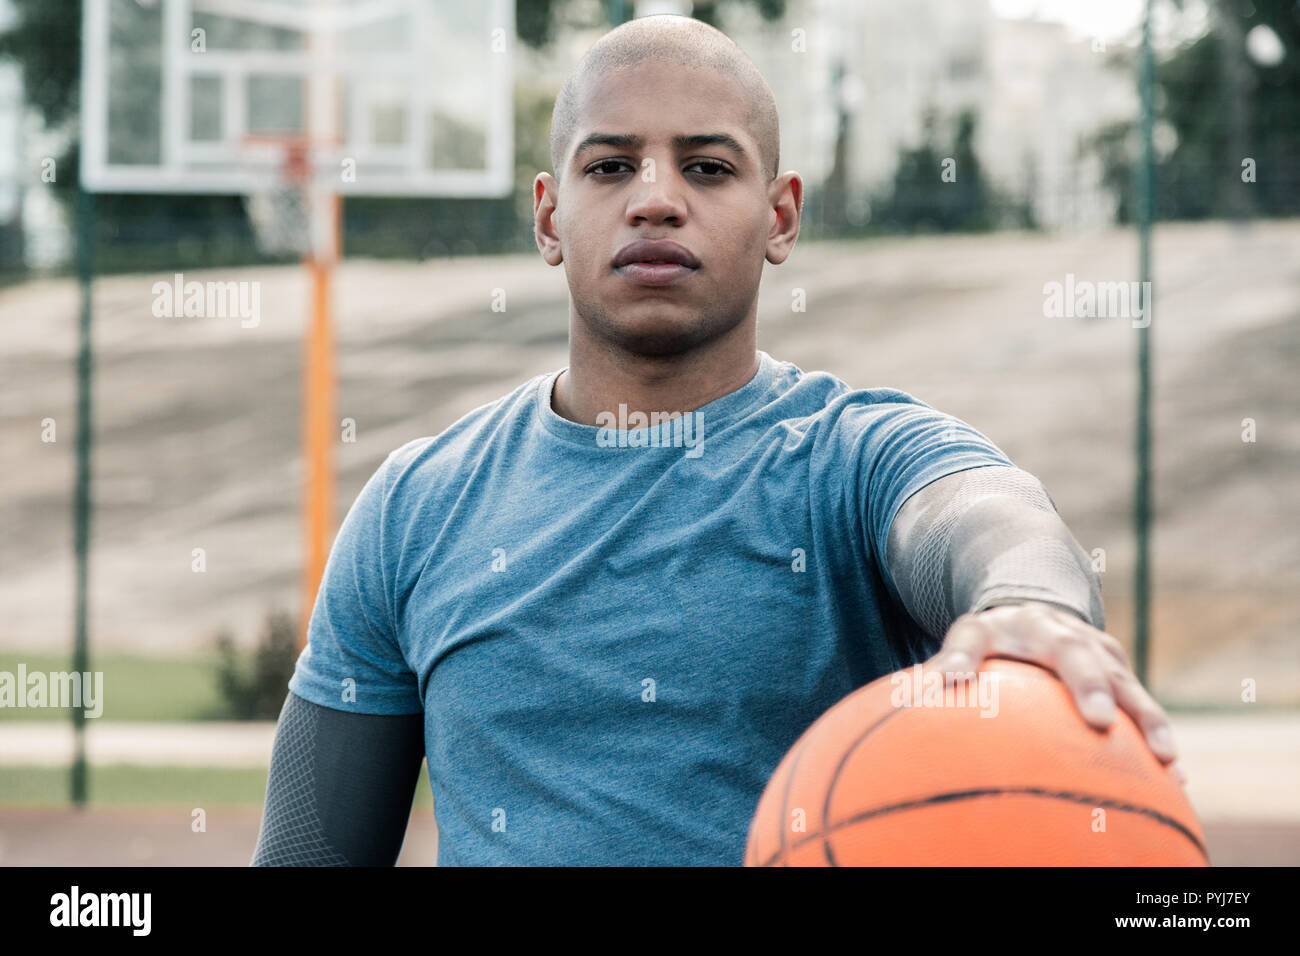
column 256, row 691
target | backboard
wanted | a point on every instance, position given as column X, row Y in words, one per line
column 397, row 97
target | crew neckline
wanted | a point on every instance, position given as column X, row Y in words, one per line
column 719, row 413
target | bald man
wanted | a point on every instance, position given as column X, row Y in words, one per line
column 606, row 604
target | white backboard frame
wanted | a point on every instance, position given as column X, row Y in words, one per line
column 230, row 165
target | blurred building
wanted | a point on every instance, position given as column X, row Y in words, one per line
column 1035, row 90
column 1047, row 92
column 886, row 68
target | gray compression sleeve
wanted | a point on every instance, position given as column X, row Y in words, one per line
column 340, row 787
column 983, row 537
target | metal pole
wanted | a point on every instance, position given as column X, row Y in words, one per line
column 319, row 427
column 318, row 423
column 1142, row 502
column 81, row 500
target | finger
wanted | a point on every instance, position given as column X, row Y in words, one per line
column 1115, row 649
column 964, row 647
column 1070, row 649
column 1149, row 716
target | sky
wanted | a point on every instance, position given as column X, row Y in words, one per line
column 1107, row 19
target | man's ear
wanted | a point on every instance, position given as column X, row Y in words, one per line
column 786, row 196
column 546, row 194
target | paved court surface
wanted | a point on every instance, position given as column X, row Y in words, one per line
column 136, row 838
column 151, row 838
column 1243, row 779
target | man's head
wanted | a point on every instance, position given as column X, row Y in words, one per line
column 665, row 131
column 675, row 40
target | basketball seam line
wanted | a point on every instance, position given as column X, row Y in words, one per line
column 785, row 803
column 789, row 783
column 835, row 779
column 1001, row 791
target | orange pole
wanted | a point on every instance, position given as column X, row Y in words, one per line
column 318, row 424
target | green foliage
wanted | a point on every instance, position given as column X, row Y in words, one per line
column 257, row 691
column 45, row 42
column 920, row 199
column 139, row 787
column 1217, row 122
column 129, row 785
column 535, row 22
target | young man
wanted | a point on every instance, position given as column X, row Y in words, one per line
column 604, row 628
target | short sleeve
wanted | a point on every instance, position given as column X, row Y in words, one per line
column 353, row 660
column 905, row 445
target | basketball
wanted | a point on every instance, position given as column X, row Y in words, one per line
column 996, row 771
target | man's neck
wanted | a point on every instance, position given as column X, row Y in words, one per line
column 600, row 382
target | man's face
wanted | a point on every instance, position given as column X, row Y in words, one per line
column 703, row 196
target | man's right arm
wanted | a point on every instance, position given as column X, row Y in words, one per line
column 350, row 739
column 340, row 788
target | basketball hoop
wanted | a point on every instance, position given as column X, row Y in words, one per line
column 356, row 63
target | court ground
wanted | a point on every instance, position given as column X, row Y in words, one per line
column 1243, row 776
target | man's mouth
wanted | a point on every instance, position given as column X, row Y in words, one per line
column 655, row 262
column 654, row 273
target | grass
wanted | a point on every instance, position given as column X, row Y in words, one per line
column 168, row 689
column 147, row 787
column 135, row 687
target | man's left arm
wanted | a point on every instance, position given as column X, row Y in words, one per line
column 982, row 559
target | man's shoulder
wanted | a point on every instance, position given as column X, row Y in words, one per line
column 824, row 391
column 840, row 408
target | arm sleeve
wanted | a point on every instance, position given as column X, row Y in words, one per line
column 904, row 446
column 989, row 536
column 353, row 660
column 340, row 787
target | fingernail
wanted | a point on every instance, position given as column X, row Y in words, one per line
column 958, row 662
column 1099, row 707
column 1163, row 740
column 1179, row 772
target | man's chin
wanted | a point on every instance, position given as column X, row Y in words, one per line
column 659, row 341
column 654, row 330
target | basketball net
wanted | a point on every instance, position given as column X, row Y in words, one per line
column 281, row 215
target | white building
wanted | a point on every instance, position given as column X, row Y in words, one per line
column 1036, row 89
column 1048, row 91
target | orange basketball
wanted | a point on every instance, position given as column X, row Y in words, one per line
column 998, row 771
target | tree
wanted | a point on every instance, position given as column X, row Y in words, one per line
column 921, row 197
column 1222, row 107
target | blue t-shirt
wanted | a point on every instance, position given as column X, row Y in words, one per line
column 615, row 634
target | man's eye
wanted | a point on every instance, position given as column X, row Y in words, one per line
column 722, row 170
column 716, row 170
column 606, row 162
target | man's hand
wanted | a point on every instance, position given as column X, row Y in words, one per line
column 1091, row 663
